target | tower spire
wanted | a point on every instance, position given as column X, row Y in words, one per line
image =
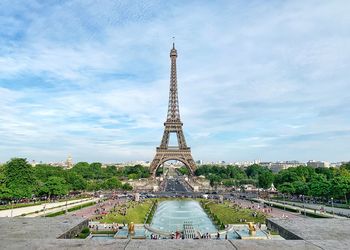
column 173, row 105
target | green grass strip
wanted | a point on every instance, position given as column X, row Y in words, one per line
column 78, row 207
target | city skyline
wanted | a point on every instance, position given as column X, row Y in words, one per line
column 256, row 80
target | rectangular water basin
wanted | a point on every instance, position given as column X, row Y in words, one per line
column 140, row 233
column 122, row 234
column 102, row 237
column 244, row 235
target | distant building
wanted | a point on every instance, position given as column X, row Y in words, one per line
column 199, row 162
column 266, row 164
column 280, row 165
column 69, row 162
column 336, row 164
column 318, row 164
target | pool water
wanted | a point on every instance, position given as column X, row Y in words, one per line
column 232, row 235
column 140, row 232
column 102, row 237
column 245, row 233
column 171, row 215
column 122, row 233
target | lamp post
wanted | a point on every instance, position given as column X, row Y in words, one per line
column 284, row 202
column 304, row 205
column 332, row 207
column 11, row 209
column 66, row 205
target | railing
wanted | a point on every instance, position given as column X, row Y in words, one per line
column 189, row 232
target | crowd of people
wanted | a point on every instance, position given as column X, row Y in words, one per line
column 114, row 227
column 179, row 235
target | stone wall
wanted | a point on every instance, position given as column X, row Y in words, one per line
column 71, row 233
column 282, row 231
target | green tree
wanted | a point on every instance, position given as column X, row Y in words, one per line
column 301, row 188
column 112, row 171
column 112, row 183
column 229, row 182
column 43, row 171
column 133, row 176
column 55, row 186
column 93, row 185
column 286, row 176
column 75, row 181
column 127, row 186
column 89, row 171
column 214, row 179
column 5, row 193
column 265, row 179
column 235, row 172
column 19, row 179
column 346, row 166
column 327, row 172
column 287, row 188
column 96, row 169
column 184, row 170
column 341, row 187
column 319, row 186
column 254, row 170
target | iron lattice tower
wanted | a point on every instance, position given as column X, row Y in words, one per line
column 173, row 124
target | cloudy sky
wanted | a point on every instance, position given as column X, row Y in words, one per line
column 264, row 80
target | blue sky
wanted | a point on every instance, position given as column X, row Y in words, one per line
column 264, row 80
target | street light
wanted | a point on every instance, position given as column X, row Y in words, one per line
column 44, row 207
column 11, row 209
column 332, row 207
column 304, row 205
column 284, row 202
column 66, row 205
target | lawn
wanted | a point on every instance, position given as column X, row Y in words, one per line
column 136, row 213
column 230, row 214
column 78, row 207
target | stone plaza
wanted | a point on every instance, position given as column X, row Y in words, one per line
column 55, row 233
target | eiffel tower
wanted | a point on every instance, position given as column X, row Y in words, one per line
column 173, row 124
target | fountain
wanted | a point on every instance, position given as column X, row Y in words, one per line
column 250, row 233
column 171, row 215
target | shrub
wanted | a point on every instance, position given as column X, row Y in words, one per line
column 85, row 230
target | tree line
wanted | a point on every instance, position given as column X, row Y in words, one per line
column 301, row 180
column 18, row 179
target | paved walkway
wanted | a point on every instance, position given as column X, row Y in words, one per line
column 318, row 207
column 308, row 210
column 103, row 207
column 32, row 209
column 275, row 212
column 61, row 208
